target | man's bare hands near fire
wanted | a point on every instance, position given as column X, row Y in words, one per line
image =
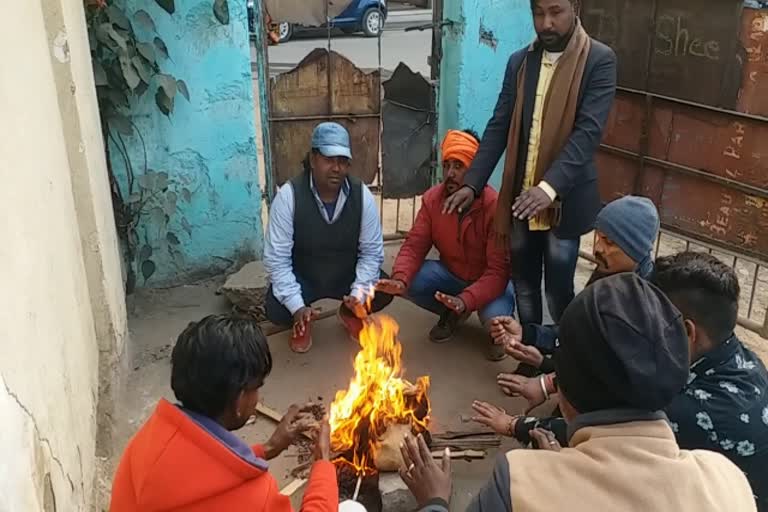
column 297, row 421
column 390, row 286
column 424, row 477
column 301, row 320
column 455, row 304
column 355, row 306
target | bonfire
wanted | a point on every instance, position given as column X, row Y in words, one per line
column 377, row 400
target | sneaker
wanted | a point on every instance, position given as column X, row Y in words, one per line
column 446, row 326
column 351, row 323
column 302, row 344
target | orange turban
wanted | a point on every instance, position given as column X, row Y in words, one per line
column 459, row 146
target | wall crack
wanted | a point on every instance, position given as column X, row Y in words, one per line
column 43, row 440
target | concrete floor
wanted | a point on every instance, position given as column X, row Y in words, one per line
column 458, row 369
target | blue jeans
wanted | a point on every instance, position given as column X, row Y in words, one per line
column 532, row 251
column 434, row 277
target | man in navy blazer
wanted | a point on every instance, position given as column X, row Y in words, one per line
column 565, row 183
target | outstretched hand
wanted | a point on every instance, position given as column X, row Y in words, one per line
column 455, row 304
column 355, row 306
column 505, row 329
column 494, row 417
column 302, row 319
column 528, row 388
column 425, row 479
column 390, row 286
column 296, row 421
column 524, row 353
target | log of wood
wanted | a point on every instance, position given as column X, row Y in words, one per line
column 456, row 434
column 466, row 444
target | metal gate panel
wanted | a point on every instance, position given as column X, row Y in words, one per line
column 668, row 136
column 409, row 122
column 324, row 86
column 707, row 171
column 678, row 48
column 753, row 98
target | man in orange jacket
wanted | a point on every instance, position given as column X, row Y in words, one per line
column 185, row 458
column 472, row 273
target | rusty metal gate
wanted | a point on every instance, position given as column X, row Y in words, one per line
column 689, row 127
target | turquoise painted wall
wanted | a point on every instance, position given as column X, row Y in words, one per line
column 206, row 146
column 475, row 54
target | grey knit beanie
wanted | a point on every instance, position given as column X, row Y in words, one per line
column 632, row 223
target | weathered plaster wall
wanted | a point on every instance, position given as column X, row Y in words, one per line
column 72, row 68
column 475, row 54
column 52, row 186
column 207, row 146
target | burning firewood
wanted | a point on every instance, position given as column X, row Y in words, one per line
column 370, row 418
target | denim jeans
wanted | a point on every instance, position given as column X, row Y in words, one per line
column 433, row 277
column 279, row 314
column 532, row 251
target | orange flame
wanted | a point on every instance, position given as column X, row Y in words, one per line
column 377, row 397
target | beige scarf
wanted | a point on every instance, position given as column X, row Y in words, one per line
column 558, row 116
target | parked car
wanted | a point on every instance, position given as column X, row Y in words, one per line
column 366, row 16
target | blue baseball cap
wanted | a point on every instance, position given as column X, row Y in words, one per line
column 331, row 140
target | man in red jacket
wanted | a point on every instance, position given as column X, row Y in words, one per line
column 185, row 458
column 472, row 273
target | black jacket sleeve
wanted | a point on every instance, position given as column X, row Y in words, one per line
column 496, row 134
column 555, row 425
column 566, row 171
column 543, row 337
column 495, row 496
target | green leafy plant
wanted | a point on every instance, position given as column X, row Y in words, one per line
column 125, row 68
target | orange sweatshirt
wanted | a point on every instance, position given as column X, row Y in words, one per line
column 173, row 464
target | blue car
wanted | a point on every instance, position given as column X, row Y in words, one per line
column 366, row 16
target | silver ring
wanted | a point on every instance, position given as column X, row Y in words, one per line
column 552, row 443
column 410, row 468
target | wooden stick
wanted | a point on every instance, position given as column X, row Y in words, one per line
column 270, row 413
column 463, row 454
column 468, row 443
column 458, row 434
column 292, row 487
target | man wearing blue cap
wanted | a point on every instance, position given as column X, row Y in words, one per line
column 324, row 240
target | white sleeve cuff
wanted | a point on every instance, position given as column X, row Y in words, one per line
column 294, row 304
column 547, row 188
